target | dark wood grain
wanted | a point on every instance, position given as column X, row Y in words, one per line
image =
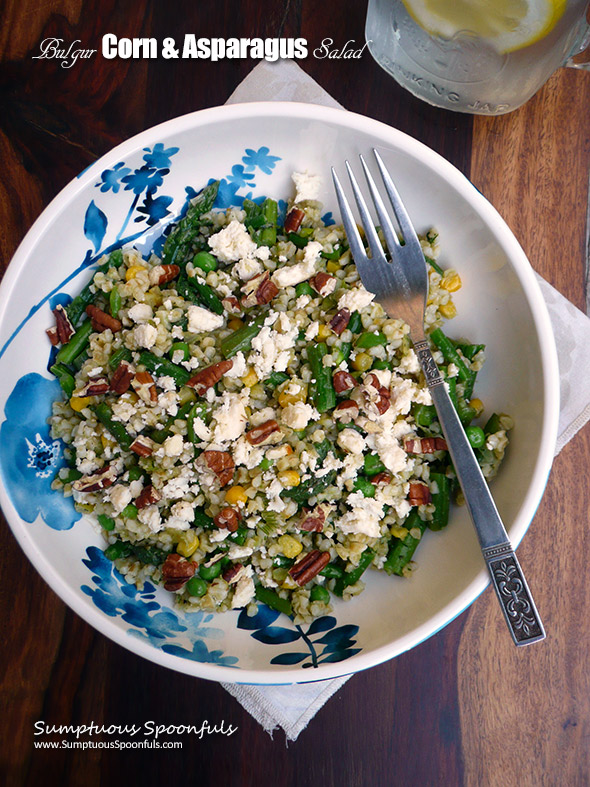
column 464, row 707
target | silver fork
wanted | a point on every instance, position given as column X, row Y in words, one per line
column 400, row 285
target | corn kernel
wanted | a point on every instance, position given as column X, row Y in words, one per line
column 451, row 282
column 323, row 332
column 477, row 405
column 132, row 272
column 235, row 323
column 286, row 398
column 289, row 583
column 106, row 442
column 289, row 546
column 250, row 378
column 188, row 544
column 399, row 532
column 78, row 403
column 333, row 266
column 448, row 310
column 236, row 494
column 362, row 362
column 289, row 478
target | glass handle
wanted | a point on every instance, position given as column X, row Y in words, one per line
column 579, row 57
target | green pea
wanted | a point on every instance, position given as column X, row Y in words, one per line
column 106, row 523
column 265, row 464
column 117, row 550
column 319, row 593
column 364, row 486
column 129, row 512
column 379, row 364
column 210, row 572
column 303, row 288
column 182, row 346
column 196, row 587
column 205, row 261
column 476, row 436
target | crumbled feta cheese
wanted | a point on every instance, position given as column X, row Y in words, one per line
column 246, row 454
column 307, row 186
column 173, row 445
column 140, row 312
column 301, row 271
column 230, row 417
column 232, row 243
column 201, row 320
column 351, row 441
column 169, row 402
column 330, row 463
column 355, row 299
column 391, row 453
column 119, row 496
column 364, row 518
column 302, row 301
column 270, row 350
column 176, row 488
column 145, row 335
column 273, row 493
column 181, row 516
column 177, row 332
column 248, row 268
column 122, row 411
column 239, row 366
column 312, row 331
column 167, row 383
column 218, row 535
column 236, row 552
column 298, row 415
column 409, row 364
column 262, row 253
column 201, row 429
column 261, row 416
column 244, row 592
column 150, row 516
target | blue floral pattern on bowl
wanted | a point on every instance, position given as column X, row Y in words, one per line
column 29, row 458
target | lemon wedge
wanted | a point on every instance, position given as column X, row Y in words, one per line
column 507, row 24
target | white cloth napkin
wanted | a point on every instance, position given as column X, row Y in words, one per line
column 293, row 706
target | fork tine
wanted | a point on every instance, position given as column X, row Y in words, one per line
column 366, row 219
column 405, row 225
column 352, row 233
column 386, row 223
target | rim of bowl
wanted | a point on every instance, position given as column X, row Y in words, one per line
column 506, row 240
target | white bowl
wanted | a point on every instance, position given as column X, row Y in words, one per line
column 500, row 305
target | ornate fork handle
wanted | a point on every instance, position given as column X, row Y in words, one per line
column 507, row 577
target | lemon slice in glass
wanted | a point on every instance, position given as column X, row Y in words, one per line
column 507, row 24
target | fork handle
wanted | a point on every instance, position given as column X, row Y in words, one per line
column 509, row 583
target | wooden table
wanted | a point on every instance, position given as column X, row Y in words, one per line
column 465, row 707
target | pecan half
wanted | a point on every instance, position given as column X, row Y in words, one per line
column 208, row 377
column 122, row 376
column 101, row 320
column 381, row 400
column 142, row 445
column 227, row 518
column 148, row 497
column 222, row 464
column 231, row 304
column 95, row 387
column 232, row 573
column 424, row 445
column 419, row 493
column 100, row 479
column 339, row 321
column 176, row 572
column 294, row 218
column 346, row 411
column 323, row 283
column 343, row 381
column 261, row 434
column 313, row 520
column 63, row 326
column 162, row 274
column 308, row 568
column 52, row 333
column 145, row 386
column 381, row 478
column 259, row 290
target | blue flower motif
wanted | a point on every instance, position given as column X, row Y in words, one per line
column 260, row 158
column 110, row 178
column 159, row 157
column 154, row 209
column 157, row 625
column 238, row 177
column 29, row 458
column 144, row 179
